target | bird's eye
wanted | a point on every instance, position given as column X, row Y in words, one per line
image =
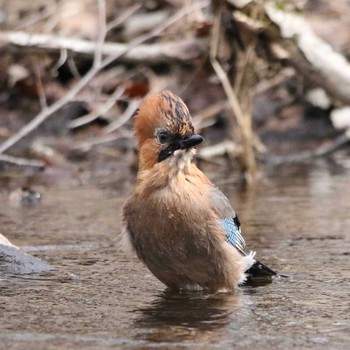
column 163, row 137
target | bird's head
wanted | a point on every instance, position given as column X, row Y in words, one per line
column 164, row 130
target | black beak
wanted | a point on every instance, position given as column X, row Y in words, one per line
column 191, row 141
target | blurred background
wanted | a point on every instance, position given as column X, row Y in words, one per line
column 267, row 84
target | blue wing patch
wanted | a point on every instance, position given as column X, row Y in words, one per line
column 233, row 233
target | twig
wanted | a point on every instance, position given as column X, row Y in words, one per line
column 280, row 78
column 112, row 128
column 61, row 60
column 40, row 88
column 119, row 20
column 97, row 112
column 44, row 114
column 101, row 33
column 129, row 112
column 86, row 144
column 73, row 68
column 222, row 75
column 219, row 149
column 321, row 151
column 22, row 161
column 202, row 118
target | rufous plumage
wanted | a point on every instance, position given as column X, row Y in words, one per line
column 178, row 222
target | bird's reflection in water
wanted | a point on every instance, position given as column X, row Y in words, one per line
column 252, row 283
column 192, row 316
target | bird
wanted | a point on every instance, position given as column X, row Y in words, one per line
column 179, row 224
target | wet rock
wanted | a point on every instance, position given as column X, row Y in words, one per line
column 14, row 261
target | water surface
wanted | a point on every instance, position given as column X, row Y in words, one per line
column 100, row 298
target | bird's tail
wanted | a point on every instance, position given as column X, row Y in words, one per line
column 258, row 269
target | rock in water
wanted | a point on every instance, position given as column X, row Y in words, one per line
column 15, row 261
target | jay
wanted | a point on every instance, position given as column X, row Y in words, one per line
column 181, row 226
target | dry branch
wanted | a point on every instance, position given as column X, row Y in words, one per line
column 181, row 50
column 50, row 110
column 23, row 162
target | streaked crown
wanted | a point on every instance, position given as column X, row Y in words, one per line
column 162, row 111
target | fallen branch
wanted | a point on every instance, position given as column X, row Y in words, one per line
column 292, row 40
column 315, row 58
column 181, row 50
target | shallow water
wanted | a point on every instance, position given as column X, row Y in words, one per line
column 99, row 298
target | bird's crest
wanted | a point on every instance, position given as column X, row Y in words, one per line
column 162, row 110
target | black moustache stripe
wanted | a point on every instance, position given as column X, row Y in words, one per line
column 169, row 151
